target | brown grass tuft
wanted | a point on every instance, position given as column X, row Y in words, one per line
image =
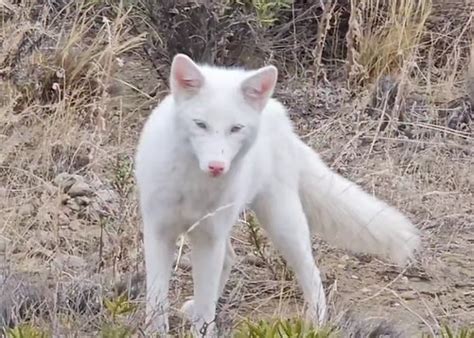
column 384, row 36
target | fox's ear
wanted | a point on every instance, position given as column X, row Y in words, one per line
column 258, row 88
column 186, row 79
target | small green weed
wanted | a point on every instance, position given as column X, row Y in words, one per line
column 119, row 306
column 26, row 331
column 115, row 331
column 288, row 328
column 266, row 10
column 461, row 333
column 123, row 178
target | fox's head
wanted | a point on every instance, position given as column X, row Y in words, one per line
column 219, row 109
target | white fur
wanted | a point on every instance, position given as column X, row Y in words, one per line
column 267, row 167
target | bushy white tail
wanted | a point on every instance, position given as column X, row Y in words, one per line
column 346, row 216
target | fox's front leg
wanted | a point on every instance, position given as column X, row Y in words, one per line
column 159, row 240
column 207, row 253
column 188, row 307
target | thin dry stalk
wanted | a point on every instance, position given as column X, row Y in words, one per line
column 323, row 28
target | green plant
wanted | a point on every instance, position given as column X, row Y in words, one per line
column 288, row 328
column 256, row 238
column 115, row 331
column 461, row 333
column 123, row 178
column 119, row 306
column 26, row 331
column 266, row 10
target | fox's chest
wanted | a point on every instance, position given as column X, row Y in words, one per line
column 196, row 197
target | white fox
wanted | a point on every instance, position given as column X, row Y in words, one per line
column 219, row 143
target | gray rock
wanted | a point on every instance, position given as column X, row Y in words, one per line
column 26, row 209
column 80, row 189
column 65, row 181
column 64, row 262
column 3, row 244
column 107, row 196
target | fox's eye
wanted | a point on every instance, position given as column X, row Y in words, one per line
column 201, row 124
column 236, row 128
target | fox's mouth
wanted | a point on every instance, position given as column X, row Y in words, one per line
column 216, row 173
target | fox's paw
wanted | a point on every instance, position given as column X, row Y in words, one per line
column 206, row 330
column 199, row 327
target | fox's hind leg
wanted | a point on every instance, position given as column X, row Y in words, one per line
column 280, row 212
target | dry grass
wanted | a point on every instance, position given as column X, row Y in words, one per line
column 384, row 36
column 75, row 90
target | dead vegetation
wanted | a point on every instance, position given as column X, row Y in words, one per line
column 383, row 90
